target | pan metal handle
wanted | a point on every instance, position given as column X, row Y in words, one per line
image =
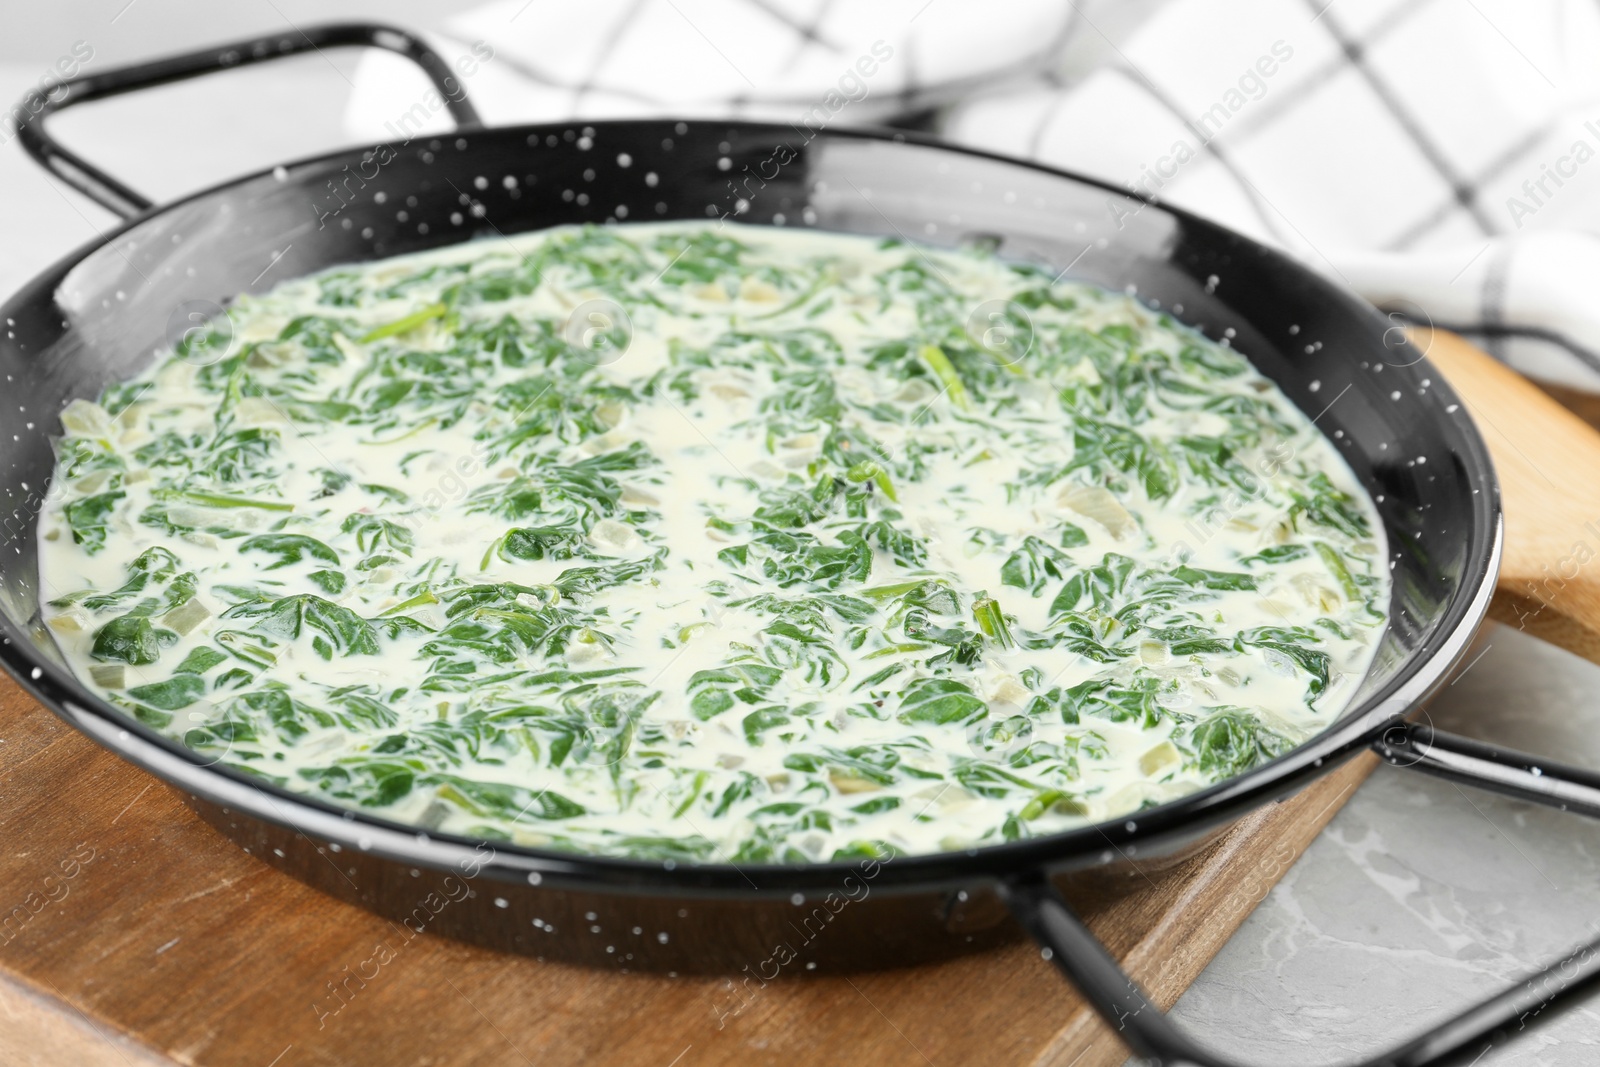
column 117, row 197
column 1152, row 1036
column 1420, row 747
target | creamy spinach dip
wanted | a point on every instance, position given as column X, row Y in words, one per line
column 821, row 547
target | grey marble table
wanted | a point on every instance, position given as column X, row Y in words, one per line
column 1420, row 896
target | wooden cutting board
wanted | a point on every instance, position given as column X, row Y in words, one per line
column 133, row 934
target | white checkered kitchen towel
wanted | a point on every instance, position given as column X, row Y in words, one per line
column 863, row 62
column 1441, row 157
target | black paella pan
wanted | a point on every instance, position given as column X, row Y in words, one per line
column 106, row 310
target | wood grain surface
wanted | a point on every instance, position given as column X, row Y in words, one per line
column 133, row 934
column 1547, row 458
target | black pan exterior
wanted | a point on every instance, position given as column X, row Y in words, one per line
column 103, row 313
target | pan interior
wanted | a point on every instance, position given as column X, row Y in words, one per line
column 101, row 317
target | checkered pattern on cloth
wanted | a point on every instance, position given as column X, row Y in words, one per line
column 1438, row 156
column 766, row 59
column 1441, row 157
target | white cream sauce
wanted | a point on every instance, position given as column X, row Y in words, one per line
column 379, row 459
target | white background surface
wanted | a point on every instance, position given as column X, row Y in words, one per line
column 1419, row 897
